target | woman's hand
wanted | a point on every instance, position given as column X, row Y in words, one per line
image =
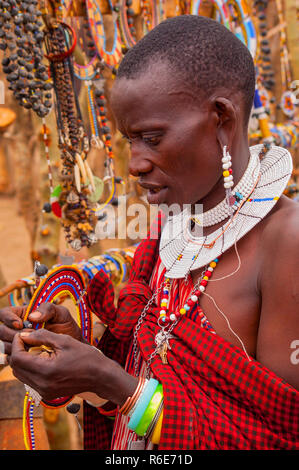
column 72, row 368
column 57, row 318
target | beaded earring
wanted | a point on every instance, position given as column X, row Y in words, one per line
column 227, row 177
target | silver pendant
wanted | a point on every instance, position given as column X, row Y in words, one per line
column 162, row 341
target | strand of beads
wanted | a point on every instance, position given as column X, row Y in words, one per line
column 227, row 170
column 21, row 40
column 28, row 430
column 104, row 126
column 95, row 139
column 126, row 23
column 164, row 315
column 228, row 178
column 106, row 138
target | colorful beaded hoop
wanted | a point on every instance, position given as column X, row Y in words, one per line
column 96, row 23
column 66, row 281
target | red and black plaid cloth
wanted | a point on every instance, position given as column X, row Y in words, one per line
column 214, row 398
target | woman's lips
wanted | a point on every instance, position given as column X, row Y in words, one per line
column 156, row 195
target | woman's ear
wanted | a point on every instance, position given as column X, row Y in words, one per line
column 227, row 121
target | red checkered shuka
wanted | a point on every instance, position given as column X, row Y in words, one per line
column 214, row 397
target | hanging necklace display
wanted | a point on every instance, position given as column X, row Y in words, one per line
column 77, row 217
column 109, row 176
column 260, row 113
column 242, row 25
column 91, row 61
column 21, row 41
column 288, row 100
column 126, row 23
column 86, row 74
column 110, row 58
column 150, row 14
column 90, row 75
column 265, row 73
column 182, row 252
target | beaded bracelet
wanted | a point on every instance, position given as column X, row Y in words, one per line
column 142, row 404
column 150, row 412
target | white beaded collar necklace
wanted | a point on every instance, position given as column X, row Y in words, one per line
column 244, row 187
column 181, row 252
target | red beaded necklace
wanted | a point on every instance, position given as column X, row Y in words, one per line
column 165, row 317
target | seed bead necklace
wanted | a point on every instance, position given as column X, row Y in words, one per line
column 168, row 320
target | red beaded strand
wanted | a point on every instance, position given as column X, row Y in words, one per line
column 167, row 317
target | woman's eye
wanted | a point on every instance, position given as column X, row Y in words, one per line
column 151, row 140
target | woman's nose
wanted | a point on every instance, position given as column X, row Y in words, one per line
column 139, row 162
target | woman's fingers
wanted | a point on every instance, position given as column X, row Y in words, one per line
column 6, row 333
column 48, row 312
column 41, row 337
column 22, row 360
column 6, row 337
column 12, row 317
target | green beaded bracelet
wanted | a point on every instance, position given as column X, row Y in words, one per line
column 150, row 411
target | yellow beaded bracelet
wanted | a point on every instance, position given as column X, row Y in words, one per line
column 156, row 436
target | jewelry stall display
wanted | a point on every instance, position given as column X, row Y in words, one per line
column 285, row 133
column 288, row 99
column 115, row 262
column 76, row 214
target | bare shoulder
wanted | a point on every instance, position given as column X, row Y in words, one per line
column 280, row 232
column 279, row 250
column 279, row 290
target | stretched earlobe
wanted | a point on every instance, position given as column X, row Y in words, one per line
column 227, row 121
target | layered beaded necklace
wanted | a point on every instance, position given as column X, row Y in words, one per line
column 264, row 180
column 182, row 252
column 241, row 191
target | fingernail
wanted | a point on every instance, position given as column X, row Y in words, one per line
column 35, row 316
column 16, row 324
column 25, row 333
